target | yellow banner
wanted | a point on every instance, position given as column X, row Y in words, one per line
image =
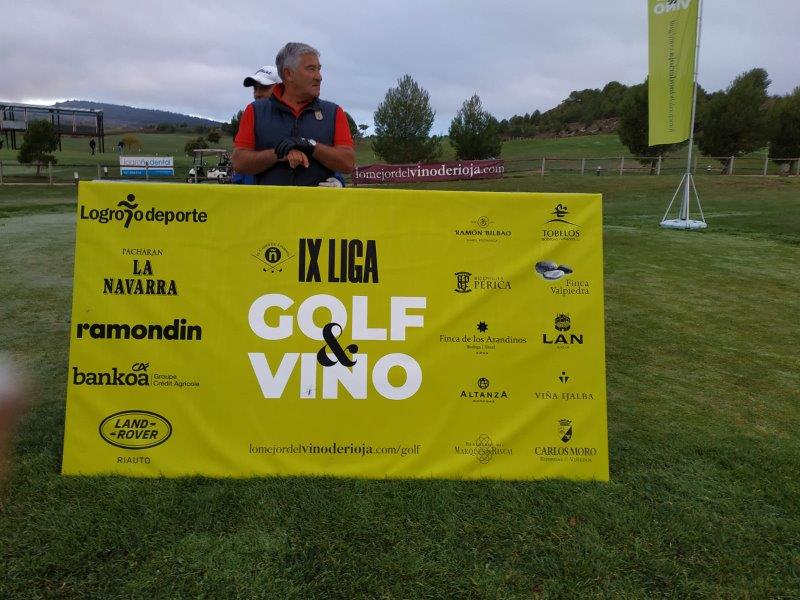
column 245, row 331
column 673, row 41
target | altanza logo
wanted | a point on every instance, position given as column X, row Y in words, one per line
column 129, row 211
column 671, row 5
column 135, row 429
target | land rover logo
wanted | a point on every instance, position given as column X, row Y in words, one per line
column 135, row 429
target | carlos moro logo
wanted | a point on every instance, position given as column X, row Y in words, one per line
column 566, row 451
column 562, row 324
column 466, row 282
column 483, row 449
column 135, row 429
column 273, row 257
column 128, row 212
column 559, row 228
column 565, row 430
column 136, row 376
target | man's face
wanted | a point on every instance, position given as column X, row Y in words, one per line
column 261, row 91
column 305, row 81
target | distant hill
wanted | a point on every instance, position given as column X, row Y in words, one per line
column 118, row 116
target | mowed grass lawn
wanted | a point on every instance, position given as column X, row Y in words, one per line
column 703, row 411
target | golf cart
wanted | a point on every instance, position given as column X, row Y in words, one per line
column 206, row 170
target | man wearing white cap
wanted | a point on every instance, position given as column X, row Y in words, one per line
column 294, row 137
column 262, row 81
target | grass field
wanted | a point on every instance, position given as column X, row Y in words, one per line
column 704, row 414
column 605, row 146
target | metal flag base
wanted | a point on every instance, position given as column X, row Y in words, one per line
column 683, row 221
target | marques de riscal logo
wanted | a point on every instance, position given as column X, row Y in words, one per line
column 342, row 364
column 671, row 6
column 128, row 212
column 483, row 449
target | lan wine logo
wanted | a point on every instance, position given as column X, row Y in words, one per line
column 563, row 324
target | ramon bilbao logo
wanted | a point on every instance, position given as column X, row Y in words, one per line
column 135, row 429
column 128, row 212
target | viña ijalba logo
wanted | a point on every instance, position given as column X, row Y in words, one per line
column 128, row 211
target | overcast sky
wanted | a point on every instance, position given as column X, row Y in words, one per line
column 519, row 56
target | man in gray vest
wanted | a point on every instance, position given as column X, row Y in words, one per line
column 293, row 137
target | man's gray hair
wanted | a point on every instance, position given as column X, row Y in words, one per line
column 289, row 56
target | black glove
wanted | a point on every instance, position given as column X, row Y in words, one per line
column 286, row 145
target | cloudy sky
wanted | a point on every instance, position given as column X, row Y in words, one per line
column 518, row 56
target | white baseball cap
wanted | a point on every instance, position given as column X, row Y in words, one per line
column 266, row 75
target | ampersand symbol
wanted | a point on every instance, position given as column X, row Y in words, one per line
column 336, row 348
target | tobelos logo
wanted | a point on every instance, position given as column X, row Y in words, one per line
column 135, row 429
column 128, row 211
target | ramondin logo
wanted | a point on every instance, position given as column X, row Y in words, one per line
column 135, row 429
column 178, row 330
column 671, row 6
column 129, row 212
column 137, row 376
